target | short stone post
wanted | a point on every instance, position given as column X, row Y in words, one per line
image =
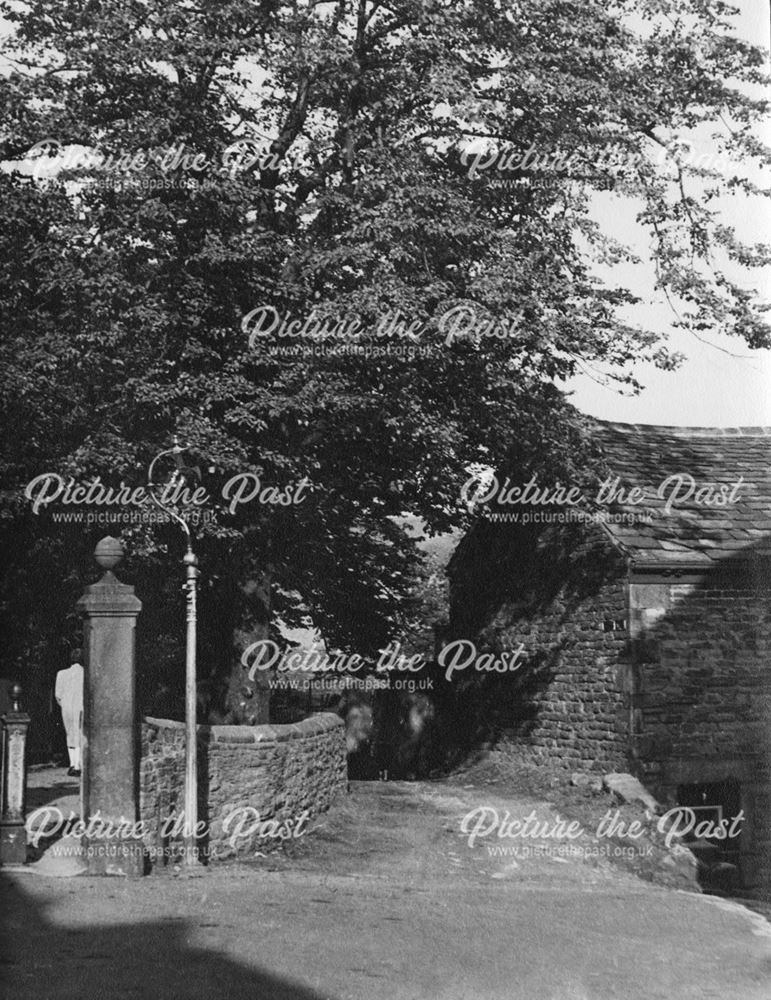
column 13, row 836
column 110, row 733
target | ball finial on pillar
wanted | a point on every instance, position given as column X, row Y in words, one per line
column 108, row 553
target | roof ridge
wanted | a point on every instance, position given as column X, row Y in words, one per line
column 684, row 432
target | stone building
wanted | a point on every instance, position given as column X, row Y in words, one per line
column 645, row 624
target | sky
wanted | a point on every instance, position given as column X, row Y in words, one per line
column 720, row 384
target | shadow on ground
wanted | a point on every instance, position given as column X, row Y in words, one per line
column 41, row 959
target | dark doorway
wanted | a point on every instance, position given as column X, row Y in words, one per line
column 717, row 803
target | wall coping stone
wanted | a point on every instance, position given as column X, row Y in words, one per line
column 314, row 725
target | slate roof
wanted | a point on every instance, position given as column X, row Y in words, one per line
column 690, row 534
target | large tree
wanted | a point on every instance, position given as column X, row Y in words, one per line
column 356, row 159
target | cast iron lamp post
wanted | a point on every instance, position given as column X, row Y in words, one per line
column 190, row 828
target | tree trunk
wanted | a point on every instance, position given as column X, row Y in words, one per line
column 248, row 700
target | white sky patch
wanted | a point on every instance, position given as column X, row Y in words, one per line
column 722, row 383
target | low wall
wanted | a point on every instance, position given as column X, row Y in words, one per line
column 270, row 780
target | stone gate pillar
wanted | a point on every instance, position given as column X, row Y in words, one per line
column 110, row 733
column 13, row 835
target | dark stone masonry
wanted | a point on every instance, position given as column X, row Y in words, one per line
column 646, row 640
column 268, row 779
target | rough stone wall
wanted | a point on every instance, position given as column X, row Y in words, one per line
column 703, row 705
column 278, row 772
column 564, row 600
column 578, row 717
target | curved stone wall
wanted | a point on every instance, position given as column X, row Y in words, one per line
column 258, row 786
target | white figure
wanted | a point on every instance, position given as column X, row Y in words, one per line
column 69, row 694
